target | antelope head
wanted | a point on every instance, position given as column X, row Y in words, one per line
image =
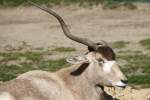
column 102, row 67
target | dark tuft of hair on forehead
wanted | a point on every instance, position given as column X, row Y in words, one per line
column 106, row 51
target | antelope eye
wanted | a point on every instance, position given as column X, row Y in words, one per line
column 100, row 60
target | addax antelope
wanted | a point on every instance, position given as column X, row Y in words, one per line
column 84, row 80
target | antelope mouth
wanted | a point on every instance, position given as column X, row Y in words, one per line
column 123, row 87
column 121, row 84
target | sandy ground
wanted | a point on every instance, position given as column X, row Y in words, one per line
column 39, row 29
column 128, row 93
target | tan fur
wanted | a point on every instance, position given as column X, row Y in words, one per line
column 6, row 96
column 42, row 85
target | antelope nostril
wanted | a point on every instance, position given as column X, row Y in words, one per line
column 124, row 81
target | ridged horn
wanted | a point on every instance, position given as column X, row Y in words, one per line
column 66, row 30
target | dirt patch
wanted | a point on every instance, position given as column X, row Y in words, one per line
column 129, row 93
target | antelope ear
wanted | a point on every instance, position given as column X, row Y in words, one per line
column 76, row 59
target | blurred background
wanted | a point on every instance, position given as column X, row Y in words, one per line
column 31, row 39
column 68, row 2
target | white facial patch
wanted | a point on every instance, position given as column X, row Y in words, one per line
column 6, row 96
column 108, row 66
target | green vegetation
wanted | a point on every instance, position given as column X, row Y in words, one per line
column 10, row 56
column 112, row 4
column 105, row 3
column 139, row 79
column 47, row 2
column 129, row 52
column 137, row 69
column 145, row 43
column 14, row 63
column 64, row 49
column 53, row 65
column 8, row 72
column 34, row 56
column 119, row 44
column 31, row 61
